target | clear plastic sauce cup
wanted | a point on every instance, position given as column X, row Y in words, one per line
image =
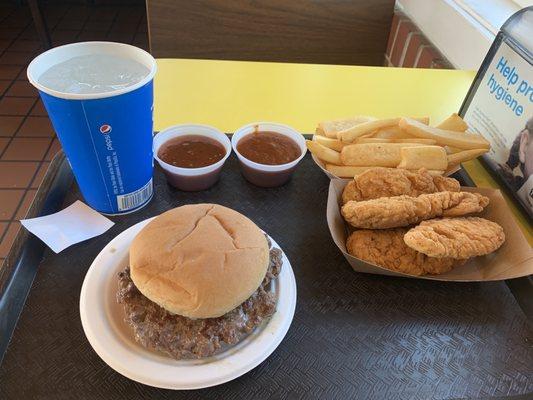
column 191, row 179
column 262, row 174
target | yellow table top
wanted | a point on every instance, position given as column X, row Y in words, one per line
column 229, row 94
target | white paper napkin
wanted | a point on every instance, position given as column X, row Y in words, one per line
column 74, row 224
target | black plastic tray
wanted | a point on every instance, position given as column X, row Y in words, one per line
column 353, row 335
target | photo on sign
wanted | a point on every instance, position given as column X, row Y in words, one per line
column 518, row 169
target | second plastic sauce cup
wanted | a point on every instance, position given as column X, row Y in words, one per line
column 264, row 175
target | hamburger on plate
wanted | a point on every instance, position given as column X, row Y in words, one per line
column 198, row 281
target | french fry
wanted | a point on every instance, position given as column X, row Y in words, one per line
column 345, row 171
column 319, row 131
column 462, row 156
column 348, row 135
column 325, row 154
column 452, row 150
column 366, row 135
column 391, row 132
column 424, row 120
column 479, row 137
column 432, row 172
column 330, row 128
column 415, row 140
column 380, row 140
column 371, row 140
column 373, row 154
column 333, row 144
column 443, row 137
column 452, row 168
column 429, row 157
column 453, row 123
column 395, row 132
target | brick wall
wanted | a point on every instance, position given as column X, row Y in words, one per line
column 409, row 48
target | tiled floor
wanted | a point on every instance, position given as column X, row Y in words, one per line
column 27, row 139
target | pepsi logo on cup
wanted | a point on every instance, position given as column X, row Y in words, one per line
column 105, row 129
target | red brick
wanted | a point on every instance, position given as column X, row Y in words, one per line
column 392, row 34
column 426, row 56
column 440, row 64
column 404, row 29
column 416, row 40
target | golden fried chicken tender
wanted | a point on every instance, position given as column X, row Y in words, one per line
column 350, row 192
column 456, row 238
column 399, row 211
column 387, row 249
column 445, row 184
column 387, row 182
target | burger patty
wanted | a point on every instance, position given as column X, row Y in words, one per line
column 184, row 338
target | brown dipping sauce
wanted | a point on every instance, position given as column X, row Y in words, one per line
column 191, row 151
column 269, row 148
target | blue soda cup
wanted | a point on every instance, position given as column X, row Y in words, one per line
column 106, row 137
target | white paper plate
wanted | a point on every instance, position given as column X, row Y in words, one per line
column 112, row 339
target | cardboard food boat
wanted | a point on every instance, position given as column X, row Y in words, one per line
column 513, row 259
